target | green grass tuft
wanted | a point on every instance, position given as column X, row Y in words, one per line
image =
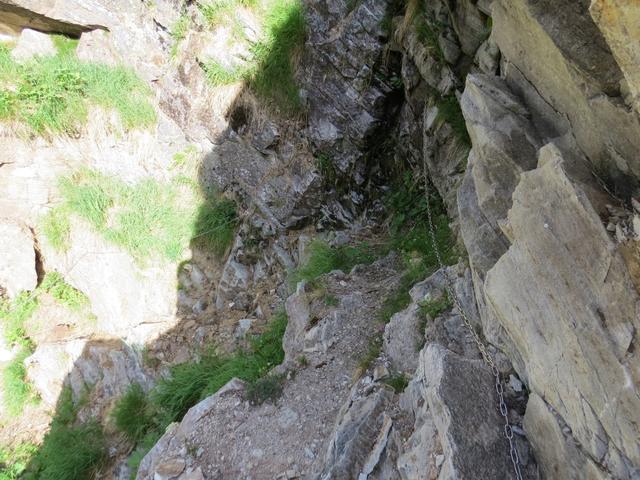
column 265, row 389
column 14, row 461
column 14, row 314
column 131, row 414
column 56, row 228
column 52, row 94
column 66, row 46
column 190, row 382
column 179, row 31
column 269, row 72
column 323, row 259
column 398, row 382
column 16, row 390
column 432, row 308
column 70, row 450
column 148, row 219
column 62, row 292
column 449, row 111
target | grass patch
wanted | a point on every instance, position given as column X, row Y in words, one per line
column 14, row 461
column 14, row 314
column 449, row 111
column 148, row 219
column 55, row 226
column 52, row 94
column 428, row 35
column 370, row 355
column 16, row 390
column 190, row 382
column 269, row 72
column 409, row 234
column 179, row 31
column 70, row 450
column 66, row 46
column 323, row 258
column 131, row 414
column 63, row 293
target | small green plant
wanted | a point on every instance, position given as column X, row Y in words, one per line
column 449, row 111
column 56, row 228
column 62, row 292
column 434, row 307
column 131, row 414
column 398, row 382
column 265, row 389
column 218, row 74
column 371, row 354
column 303, row 361
column 141, row 450
column 331, row 300
column 428, row 35
column 14, row 314
column 179, row 32
column 14, row 461
column 17, row 391
column 52, row 94
column 324, row 258
column 326, row 168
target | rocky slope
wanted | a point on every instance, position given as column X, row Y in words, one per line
column 524, row 116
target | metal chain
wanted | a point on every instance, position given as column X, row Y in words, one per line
column 486, row 356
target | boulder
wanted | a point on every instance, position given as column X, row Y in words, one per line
column 17, row 258
column 32, row 43
column 619, row 22
column 564, row 297
column 60, row 16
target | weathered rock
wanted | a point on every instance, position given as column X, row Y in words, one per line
column 17, row 258
column 341, row 55
column 67, row 16
column 553, row 49
column 572, row 312
column 103, row 369
column 457, row 430
column 363, row 427
column 557, row 452
column 32, row 43
column 619, row 22
column 107, row 276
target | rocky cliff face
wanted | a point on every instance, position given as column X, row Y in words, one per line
column 523, row 115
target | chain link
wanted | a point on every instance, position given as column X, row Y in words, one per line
column 486, row 356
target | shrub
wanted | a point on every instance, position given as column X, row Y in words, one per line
column 141, row 450
column 449, row 111
column 51, row 94
column 131, row 414
column 17, row 391
column 409, row 234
